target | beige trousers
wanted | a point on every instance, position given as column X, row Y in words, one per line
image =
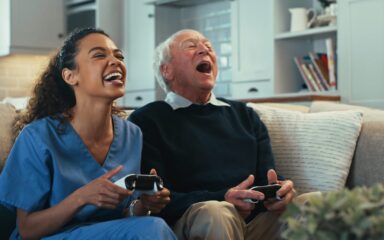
column 214, row 220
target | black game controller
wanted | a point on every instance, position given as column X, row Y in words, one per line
column 268, row 190
column 148, row 184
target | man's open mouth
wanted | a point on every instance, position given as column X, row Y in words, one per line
column 113, row 76
column 204, row 67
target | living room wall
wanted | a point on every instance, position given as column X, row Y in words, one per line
column 18, row 74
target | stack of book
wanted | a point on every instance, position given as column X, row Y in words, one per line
column 318, row 70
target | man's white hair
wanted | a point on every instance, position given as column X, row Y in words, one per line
column 163, row 56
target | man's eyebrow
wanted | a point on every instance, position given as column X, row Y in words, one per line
column 193, row 40
column 204, row 40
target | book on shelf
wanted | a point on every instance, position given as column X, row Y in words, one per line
column 331, row 63
column 309, row 75
column 300, row 66
column 315, row 75
column 317, row 78
column 315, row 70
column 320, row 70
column 324, row 63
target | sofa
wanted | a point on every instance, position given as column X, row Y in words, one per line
column 365, row 168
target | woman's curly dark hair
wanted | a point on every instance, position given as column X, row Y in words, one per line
column 51, row 95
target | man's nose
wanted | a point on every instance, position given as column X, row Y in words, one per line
column 202, row 49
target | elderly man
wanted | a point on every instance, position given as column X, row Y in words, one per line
column 209, row 151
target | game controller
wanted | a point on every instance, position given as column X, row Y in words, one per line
column 147, row 184
column 269, row 192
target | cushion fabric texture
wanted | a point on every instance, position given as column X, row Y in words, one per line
column 315, row 150
column 8, row 114
column 370, row 145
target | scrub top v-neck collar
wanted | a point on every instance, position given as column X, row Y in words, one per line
column 112, row 148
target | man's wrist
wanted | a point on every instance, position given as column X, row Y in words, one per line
column 135, row 207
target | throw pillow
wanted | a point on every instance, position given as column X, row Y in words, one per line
column 369, row 148
column 315, row 150
column 7, row 113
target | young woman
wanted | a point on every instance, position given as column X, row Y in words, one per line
column 59, row 174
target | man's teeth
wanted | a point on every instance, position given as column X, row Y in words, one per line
column 113, row 76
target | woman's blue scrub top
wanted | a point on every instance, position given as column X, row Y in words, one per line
column 49, row 161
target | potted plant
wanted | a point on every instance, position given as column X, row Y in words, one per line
column 345, row 214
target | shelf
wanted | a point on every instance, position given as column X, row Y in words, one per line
column 297, row 97
column 305, row 33
column 183, row 3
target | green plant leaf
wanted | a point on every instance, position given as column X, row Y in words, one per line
column 345, row 214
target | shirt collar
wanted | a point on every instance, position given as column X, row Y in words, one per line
column 176, row 101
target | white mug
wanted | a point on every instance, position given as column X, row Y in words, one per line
column 300, row 18
column 331, row 9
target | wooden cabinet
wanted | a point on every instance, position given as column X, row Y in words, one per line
column 361, row 51
column 251, row 40
column 33, row 26
column 251, row 48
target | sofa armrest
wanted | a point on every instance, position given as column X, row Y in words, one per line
column 368, row 162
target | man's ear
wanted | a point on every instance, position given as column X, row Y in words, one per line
column 167, row 72
column 69, row 77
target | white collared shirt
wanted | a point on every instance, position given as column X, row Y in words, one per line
column 176, row 101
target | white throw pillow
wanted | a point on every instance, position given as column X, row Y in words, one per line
column 314, row 150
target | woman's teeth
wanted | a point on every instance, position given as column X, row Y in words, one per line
column 113, row 76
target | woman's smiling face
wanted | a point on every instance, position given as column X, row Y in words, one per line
column 100, row 70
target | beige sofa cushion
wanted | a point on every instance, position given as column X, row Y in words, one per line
column 315, row 150
column 369, row 114
column 7, row 115
column 368, row 162
column 287, row 106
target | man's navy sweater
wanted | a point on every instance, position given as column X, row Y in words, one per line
column 203, row 150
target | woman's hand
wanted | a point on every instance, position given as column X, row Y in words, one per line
column 156, row 202
column 101, row 192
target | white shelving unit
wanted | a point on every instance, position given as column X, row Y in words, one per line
column 307, row 33
column 287, row 45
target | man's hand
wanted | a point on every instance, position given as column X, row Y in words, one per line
column 236, row 196
column 286, row 193
column 156, row 202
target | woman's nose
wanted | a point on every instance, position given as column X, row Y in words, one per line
column 114, row 61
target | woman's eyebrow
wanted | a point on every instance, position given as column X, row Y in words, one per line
column 117, row 50
column 96, row 48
